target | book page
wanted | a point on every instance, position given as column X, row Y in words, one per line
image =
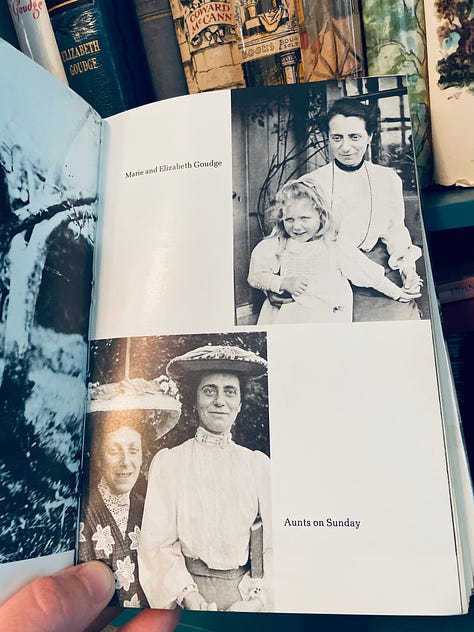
column 49, row 157
column 459, row 471
column 333, row 432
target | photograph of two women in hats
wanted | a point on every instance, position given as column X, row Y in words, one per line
column 177, row 492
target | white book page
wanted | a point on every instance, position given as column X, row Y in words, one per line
column 159, row 214
column 15, row 574
column 356, row 436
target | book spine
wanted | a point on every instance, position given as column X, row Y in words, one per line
column 331, row 40
column 395, row 41
column 35, row 35
column 456, row 290
column 449, row 29
column 102, row 53
column 269, row 41
column 7, row 31
column 161, row 47
column 209, row 44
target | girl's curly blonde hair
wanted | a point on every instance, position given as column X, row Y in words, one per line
column 294, row 190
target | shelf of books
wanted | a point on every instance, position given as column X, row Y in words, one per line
column 234, row 259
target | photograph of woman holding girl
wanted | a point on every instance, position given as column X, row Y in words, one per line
column 335, row 243
column 303, row 261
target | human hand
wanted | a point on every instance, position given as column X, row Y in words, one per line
column 412, row 282
column 406, row 297
column 277, row 300
column 70, row 601
column 252, row 605
column 294, row 285
column 195, row 601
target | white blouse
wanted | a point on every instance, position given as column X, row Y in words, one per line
column 203, row 497
column 367, row 205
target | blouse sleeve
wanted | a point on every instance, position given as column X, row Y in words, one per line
column 360, row 270
column 265, row 267
column 262, row 473
column 402, row 252
column 162, row 571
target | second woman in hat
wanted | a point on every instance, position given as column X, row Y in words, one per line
column 208, row 499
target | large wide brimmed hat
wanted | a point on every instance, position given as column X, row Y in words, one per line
column 211, row 358
column 157, row 399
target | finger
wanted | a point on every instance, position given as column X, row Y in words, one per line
column 407, row 298
column 152, row 621
column 68, row 600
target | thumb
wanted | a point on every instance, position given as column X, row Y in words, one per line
column 68, row 600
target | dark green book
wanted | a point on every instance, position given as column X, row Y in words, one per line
column 102, row 53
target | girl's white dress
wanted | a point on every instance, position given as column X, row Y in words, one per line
column 326, row 265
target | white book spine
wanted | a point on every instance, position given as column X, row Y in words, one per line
column 36, row 36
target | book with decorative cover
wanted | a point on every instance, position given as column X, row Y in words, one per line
column 102, row 53
column 395, row 38
column 261, row 391
column 331, row 39
column 449, row 27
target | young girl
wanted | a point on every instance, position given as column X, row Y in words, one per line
column 302, row 259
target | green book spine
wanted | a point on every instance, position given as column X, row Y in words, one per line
column 7, row 30
column 102, row 52
column 395, row 39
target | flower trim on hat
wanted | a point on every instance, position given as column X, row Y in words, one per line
column 226, row 353
column 138, row 392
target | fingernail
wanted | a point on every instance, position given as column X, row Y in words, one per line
column 98, row 579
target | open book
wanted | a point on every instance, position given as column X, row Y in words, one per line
column 259, row 412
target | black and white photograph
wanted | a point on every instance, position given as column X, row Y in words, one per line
column 48, row 199
column 177, row 491
column 327, row 221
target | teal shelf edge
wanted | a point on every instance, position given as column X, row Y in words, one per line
column 270, row 622
column 445, row 208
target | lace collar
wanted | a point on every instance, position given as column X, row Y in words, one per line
column 204, row 437
column 117, row 504
column 109, row 498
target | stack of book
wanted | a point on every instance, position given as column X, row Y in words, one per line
column 121, row 55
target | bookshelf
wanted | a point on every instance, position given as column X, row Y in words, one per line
column 443, row 209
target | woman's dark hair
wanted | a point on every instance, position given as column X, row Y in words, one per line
column 353, row 107
column 188, row 385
